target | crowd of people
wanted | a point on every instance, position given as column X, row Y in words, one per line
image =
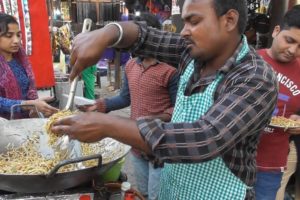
column 201, row 101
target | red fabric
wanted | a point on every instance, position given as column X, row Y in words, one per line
column 41, row 58
column 273, row 148
column 148, row 88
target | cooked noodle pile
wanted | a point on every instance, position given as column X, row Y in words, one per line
column 53, row 137
column 27, row 160
column 284, row 122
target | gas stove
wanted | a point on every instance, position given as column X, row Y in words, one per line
column 94, row 190
column 85, row 192
column 55, row 196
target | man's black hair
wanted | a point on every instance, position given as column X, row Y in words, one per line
column 222, row 6
column 291, row 18
column 149, row 18
column 6, row 19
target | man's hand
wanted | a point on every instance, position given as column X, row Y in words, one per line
column 87, row 127
column 99, row 106
column 88, row 48
column 94, row 126
column 87, row 108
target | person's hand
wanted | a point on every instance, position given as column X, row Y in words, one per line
column 85, row 127
column 87, row 49
column 47, row 99
column 42, row 106
column 87, row 107
column 98, row 106
column 95, row 126
column 294, row 131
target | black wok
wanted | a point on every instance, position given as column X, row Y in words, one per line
column 54, row 181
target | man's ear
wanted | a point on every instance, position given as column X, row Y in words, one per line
column 276, row 31
column 231, row 18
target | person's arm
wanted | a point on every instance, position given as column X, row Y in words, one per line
column 120, row 101
column 88, row 47
column 110, row 104
column 6, row 104
column 242, row 110
column 32, row 91
column 41, row 105
column 95, row 126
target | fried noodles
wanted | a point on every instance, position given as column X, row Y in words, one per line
column 283, row 122
column 27, row 160
column 53, row 137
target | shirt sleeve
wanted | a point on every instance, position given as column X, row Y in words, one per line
column 172, row 89
column 32, row 91
column 241, row 110
column 120, row 101
column 164, row 46
column 6, row 104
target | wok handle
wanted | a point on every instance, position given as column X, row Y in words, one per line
column 12, row 110
column 74, row 160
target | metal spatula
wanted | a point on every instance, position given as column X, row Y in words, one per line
column 63, row 145
column 69, row 149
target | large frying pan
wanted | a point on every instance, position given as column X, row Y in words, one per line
column 52, row 181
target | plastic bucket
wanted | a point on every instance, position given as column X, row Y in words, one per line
column 114, row 172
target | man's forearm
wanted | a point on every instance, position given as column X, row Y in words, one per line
column 126, row 131
column 130, row 34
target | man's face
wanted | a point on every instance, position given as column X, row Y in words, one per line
column 10, row 41
column 286, row 44
column 203, row 30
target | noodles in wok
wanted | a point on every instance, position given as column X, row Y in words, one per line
column 53, row 137
column 27, row 160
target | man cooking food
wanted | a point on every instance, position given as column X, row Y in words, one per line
column 226, row 96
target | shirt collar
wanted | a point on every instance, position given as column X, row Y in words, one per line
column 139, row 61
column 241, row 51
column 238, row 55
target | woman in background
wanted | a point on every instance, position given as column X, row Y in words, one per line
column 17, row 85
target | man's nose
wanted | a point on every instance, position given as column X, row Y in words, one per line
column 293, row 49
column 185, row 31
